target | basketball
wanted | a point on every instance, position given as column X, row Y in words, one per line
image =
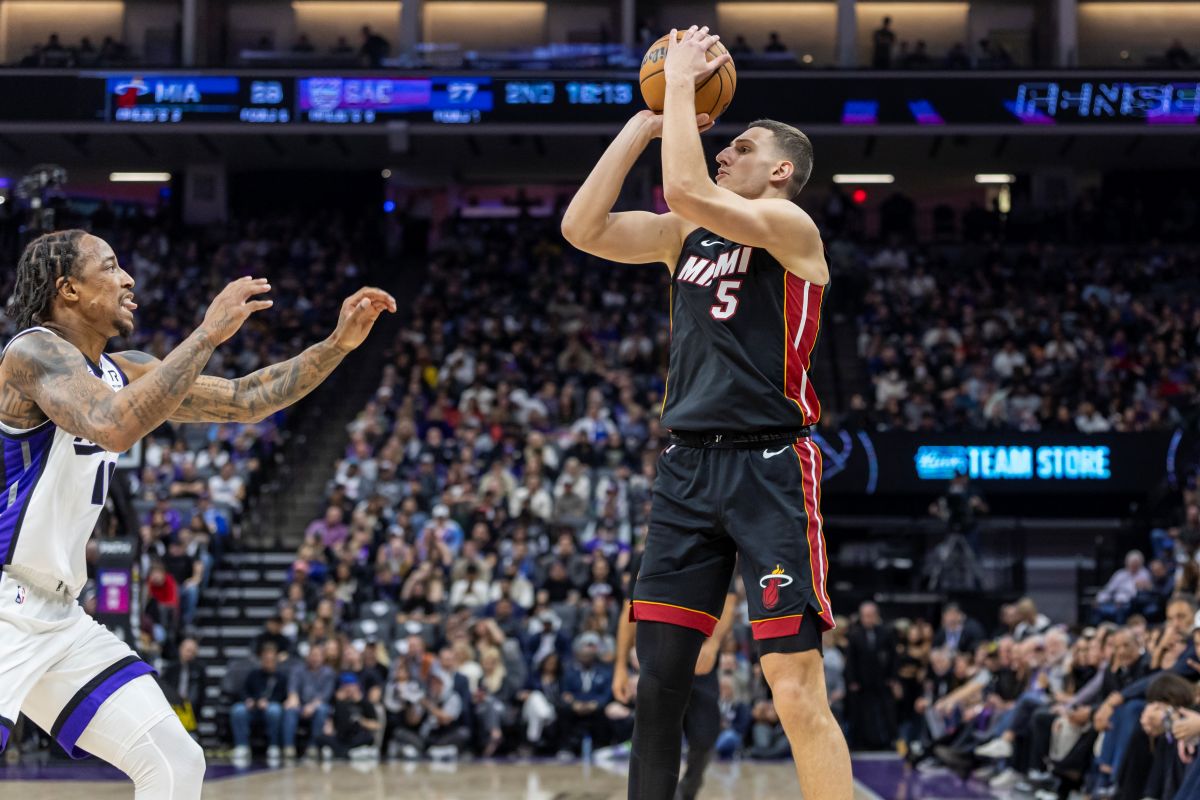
column 713, row 94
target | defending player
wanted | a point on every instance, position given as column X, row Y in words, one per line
column 66, row 410
column 741, row 476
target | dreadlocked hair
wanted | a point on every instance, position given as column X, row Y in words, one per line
column 46, row 259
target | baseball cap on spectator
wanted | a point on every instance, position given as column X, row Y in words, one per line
column 589, row 639
column 427, row 458
column 396, row 529
column 441, row 510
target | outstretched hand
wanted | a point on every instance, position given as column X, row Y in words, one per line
column 233, row 306
column 358, row 315
column 687, row 59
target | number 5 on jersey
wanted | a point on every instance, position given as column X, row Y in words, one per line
column 728, row 304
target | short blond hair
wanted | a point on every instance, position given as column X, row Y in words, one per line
column 795, row 147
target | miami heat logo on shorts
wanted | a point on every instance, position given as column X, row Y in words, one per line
column 771, row 584
column 20, row 595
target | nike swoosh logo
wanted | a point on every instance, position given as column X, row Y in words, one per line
column 768, row 454
column 710, row 244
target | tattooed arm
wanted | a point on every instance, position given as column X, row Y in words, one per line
column 44, row 372
column 256, row 396
column 44, row 375
column 251, row 398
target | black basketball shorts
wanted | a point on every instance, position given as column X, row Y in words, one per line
column 712, row 505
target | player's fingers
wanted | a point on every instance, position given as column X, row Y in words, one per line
column 251, row 289
column 720, row 61
column 259, row 305
column 380, row 296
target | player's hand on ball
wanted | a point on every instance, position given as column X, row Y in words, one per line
column 686, row 59
column 653, row 122
column 358, row 315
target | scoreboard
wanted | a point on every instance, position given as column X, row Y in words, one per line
column 158, row 99
column 1074, row 102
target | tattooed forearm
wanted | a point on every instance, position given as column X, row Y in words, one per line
column 52, row 374
column 262, row 393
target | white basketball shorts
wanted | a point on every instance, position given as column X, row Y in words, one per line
column 58, row 665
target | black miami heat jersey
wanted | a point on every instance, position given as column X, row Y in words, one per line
column 743, row 330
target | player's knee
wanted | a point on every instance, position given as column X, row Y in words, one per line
column 799, row 700
column 660, row 700
column 190, row 764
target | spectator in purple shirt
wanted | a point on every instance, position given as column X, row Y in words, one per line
column 329, row 528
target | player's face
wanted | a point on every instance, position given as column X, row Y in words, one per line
column 106, row 292
column 746, row 166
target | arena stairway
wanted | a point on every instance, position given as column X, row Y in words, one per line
column 293, row 496
column 244, row 591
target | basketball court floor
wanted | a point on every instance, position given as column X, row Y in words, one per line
column 876, row 778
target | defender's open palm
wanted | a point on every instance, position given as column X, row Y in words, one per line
column 359, row 312
column 233, row 306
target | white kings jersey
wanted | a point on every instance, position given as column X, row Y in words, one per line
column 55, row 484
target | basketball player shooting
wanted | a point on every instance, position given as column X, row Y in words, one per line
column 66, row 410
column 741, row 475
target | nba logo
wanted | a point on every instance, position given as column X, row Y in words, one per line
column 20, row 595
column 771, row 584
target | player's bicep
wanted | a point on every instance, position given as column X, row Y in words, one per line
column 775, row 225
column 54, row 375
column 636, row 237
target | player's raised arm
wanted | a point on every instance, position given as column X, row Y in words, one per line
column 52, row 373
column 631, row 237
column 750, row 202
column 256, row 396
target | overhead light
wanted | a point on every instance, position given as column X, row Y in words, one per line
column 139, row 177
column 865, row 178
column 995, row 177
column 2, row 199
column 387, row 173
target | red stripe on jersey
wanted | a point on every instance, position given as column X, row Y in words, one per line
column 801, row 320
column 816, row 301
column 811, row 469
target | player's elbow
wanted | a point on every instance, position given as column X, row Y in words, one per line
column 674, row 196
column 576, row 231
column 114, row 441
column 681, row 197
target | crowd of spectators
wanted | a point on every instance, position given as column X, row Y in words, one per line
column 469, row 568
column 1033, row 338
column 886, row 52
column 195, row 482
column 1110, row 710
column 54, row 53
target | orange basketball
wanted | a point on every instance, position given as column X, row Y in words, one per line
column 713, row 94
